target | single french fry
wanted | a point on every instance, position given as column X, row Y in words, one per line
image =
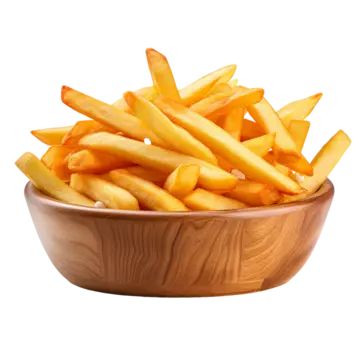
column 298, row 130
column 233, row 122
column 260, row 145
column 201, row 87
column 94, row 161
column 83, row 127
column 149, row 195
column 151, row 175
column 222, row 105
column 299, row 109
column 98, row 189
column 211, row 177
column 267, row 118
column 223, row 144
column 254, row 193
column 201, row 199
column 221, row 88
column 48, row 183
column 182, row 180
column 250, row 129
column 108, row 115
column 51, row 136
column 148, row 93
column 178, row 138
column 162, row 75
column 55, row 158
column 301, row 165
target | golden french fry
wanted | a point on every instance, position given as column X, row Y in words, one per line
column 83, row 127
column 148, row 93
column 48, row 183
column 250, row 129
column 151, row 175
column 162, row 75
column 227, row 147
column 149, row 195
column 211, row 177
column 55, row 159
column 182, row 180
column 221, row 88
column 201, row 199
column 299, row 109
column 201, row 87
column 301, row 165
column 220, row 105
column 271, row 158
column 51, row 136
column 178, row 138
column 298, row 130
column 233, row 122
column 94, row 161
column 268, row 119
column 254, row 193
column 98, row 189
column 108, row 115
column 260, row 145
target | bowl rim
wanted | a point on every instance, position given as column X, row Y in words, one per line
column 36, row 197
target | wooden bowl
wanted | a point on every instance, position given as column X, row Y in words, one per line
column 179, row 254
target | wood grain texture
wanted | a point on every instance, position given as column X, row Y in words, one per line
column 179, row 254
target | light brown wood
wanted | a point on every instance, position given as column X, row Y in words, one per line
column 179, row 254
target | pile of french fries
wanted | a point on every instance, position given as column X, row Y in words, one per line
column 169, row 149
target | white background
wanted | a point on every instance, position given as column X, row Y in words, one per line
column 291, row 48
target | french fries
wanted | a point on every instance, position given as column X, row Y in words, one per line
column 174, row 136
column 162, row 75
column 49, row 183
column 211, row 177
column 254, row 193
column 233, row 122
column 108, row 115
column 98, row 189
column 182, row 180
column 149, row 195
column 51, row 136
column 163, row 149
column 201, row 199
column 94, row 161
column 299, row 109
column 227, row 147
column 201, row 87
column 298, row 130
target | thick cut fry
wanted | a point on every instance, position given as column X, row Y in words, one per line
column 250, row 129
column 182, row 180
column 178, row 138
column 82, row 128
column 267, row 118
column 254, row 193
column 48, row 183
column 201, row 87
column 298, row 129
column 233, row 122
column 149, row 195
column 108, row 115
column 227, row 147
column 51, row 136
column 201, row 199
column 299, row 109
column 211, row 177
column 260, row 145
column 151, row 175
column 148, row 93
column 98, row 189
column 222, row 105
column 94, row 161
column 55, row 159
column 162, row 75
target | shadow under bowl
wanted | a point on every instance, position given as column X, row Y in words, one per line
column 197, row 253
